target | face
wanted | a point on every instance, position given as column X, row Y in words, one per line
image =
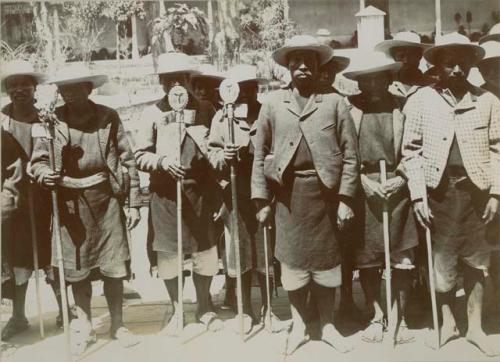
column 200, row 90
column 453, row 68
column 248, row 92
column 75, row 94
column 21, row 89
column 491, row 74
column 408, row 56
column 326, row 75
column 303, row 66
column 374, row 86
column 168, row 81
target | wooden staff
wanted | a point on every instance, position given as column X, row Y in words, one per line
column 34, row 243
column 235, row 232
column 387, row 249
column 432, row 286
column 56, row 225
column 268, row 289
column 229, row 91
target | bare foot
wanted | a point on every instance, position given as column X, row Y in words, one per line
column 296, row 338
column 480, row 340
column 404, row 335
column 374, row 333
column 171, row 329
column 331, row 336
column 448, row 332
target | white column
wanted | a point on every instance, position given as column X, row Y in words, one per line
column 361, row 4
column 135, row 43
column 163, row 11
column 438, row 19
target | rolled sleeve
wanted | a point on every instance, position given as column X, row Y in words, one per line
column 348, row 143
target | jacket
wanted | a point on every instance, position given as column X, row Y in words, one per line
column 114, row 147
column 328, row 129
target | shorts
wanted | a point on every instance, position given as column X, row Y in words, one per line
column 205, row 263
column 23, row 274
column 403, row 259
column 446, row 256
column 117, row 271
column 293, row 279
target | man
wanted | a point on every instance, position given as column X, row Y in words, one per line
column 379, row 124
column 204, row 85
column 20, row 80
column 405, row 47
column 328, row 72
column 96, row 173
column 451, row 147
column 155, row 143
column 306, row 159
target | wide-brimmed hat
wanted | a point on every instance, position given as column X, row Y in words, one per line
column 170, row 63
column 339, row 62
column 244, row 73
column 369, row 63
column 20, row 67
column 402, row 39
column 493, row 34
column 77, row 73
column 492, row 56
column 302, row 42
column 207, row 72
column 458, row 43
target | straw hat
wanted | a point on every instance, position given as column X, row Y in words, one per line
column 402, row 39
column 20, row 67
column 170, row 63
column 244, row 73
column 492, row 57
column 207, row 72
column 371, row 62
column 77, row 73
column 454, row 41
column 302, row 42
column 493, row 34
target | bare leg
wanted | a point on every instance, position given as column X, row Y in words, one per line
column 171, row 285
column 82, row 292
column 370, row 282
column 18, row 322
column 297, row 335
column 402, row 282
column 449, row 330
column 474, row 289
column 325, row 300
column 113, row 291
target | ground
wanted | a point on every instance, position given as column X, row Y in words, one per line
column 146, row 308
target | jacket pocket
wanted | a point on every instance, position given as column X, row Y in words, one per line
column 329, row 126
column 270, row 168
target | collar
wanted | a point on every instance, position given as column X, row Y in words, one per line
column 467, row 102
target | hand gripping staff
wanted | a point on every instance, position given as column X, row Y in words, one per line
column 178, row 99
column 387, row 251
column 229, row 91
column 49, row 120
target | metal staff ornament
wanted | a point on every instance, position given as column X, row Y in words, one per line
column 178, row 98
column 229, row 91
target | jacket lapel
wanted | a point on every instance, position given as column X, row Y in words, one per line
column 311, row 106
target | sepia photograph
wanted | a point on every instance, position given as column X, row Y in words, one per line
column 250, row 180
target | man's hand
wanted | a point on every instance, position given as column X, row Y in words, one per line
column 51, row 178
column 344, row 215
column 230, row 152
column 424, row 217
column 133, row 217
column 173, row 168
column 392, row 186
column 264, row 211
column 490, row 210
column 372, row 188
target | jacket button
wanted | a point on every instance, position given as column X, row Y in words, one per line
column 291, row 144
column 279, row 168
column 437, row 168
column 444, row 138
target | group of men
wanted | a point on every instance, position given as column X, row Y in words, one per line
column 316, row 171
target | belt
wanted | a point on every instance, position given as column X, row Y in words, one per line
column 84, row 182
column 305, row 173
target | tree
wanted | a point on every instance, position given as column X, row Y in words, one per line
column 121, row 12
column 82, row 25
column 227, row 41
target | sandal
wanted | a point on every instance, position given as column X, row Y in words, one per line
column 125, row 337
column 82, row 337
column 374, row 323
column 403, row 331
column 272, row 323
column 294, row 342
column 211, row 321
column 14, row 326
column 247, row 324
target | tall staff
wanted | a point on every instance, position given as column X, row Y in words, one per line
column 229, row 91
column 48, row 118
column 178, row 99
column 268, row 288
column 387, row 250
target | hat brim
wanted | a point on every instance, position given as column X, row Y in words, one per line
column 489, row 37
column 341, row 63
column 472, row 52
column 387, row 45
column 489, row 62
column 96, row 80
column 177, row 70
column 280, row 55
column 206, row 77
column 390, row 68
column 40, row 78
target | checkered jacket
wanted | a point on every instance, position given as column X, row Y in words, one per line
column 433, row 118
